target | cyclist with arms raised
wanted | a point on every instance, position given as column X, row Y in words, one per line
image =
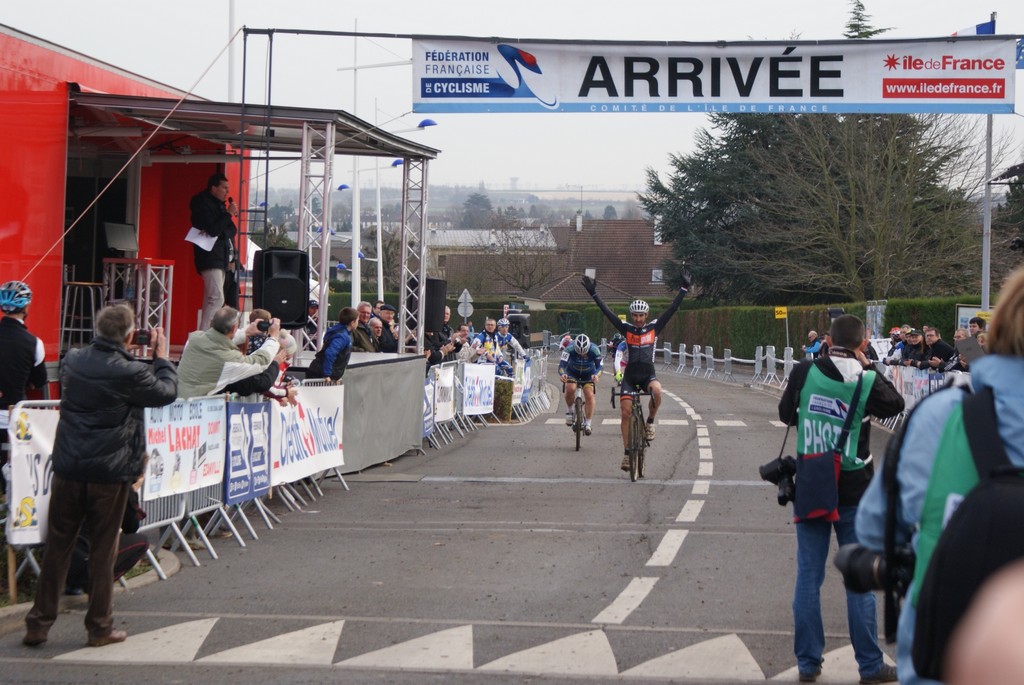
column 580, row 363
column 641, row 336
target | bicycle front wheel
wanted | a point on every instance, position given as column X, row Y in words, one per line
column 636, row 447
column 577, row 424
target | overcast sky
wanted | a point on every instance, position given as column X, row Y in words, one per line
column 175, row 42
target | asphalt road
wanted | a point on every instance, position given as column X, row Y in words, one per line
column 505, row 557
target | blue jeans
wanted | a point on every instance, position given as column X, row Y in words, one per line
column 812, row 545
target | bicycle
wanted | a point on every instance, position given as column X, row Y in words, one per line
column 579, row 417
column 637, row 435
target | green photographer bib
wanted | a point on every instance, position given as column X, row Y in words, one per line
column 824, row 404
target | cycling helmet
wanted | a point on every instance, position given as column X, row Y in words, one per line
column 638, row 307
column 503, row 322
column 14, row 296
column 581, row 343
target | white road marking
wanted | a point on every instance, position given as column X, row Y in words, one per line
column 695, row 417
column 705, row 468
column 702, row 431
column 173, row 644
column 690, row 512
column 705, row 452
column 627, row 601
column 583, row 654
column 724, row 657
column 700, row 487
column 314, row 645
column 610, row 422
column 840, row 667
column 673, row 422
column 446, row 649
column 683, row 404
column 729, row 423
column 778, row 424
column 704, row 442
column 668, row 548
column 554, row 422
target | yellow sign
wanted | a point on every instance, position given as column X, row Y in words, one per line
column 780, row 312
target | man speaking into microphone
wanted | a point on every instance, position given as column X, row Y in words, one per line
column 213, row 214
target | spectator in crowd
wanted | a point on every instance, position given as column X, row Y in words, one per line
column 960, row 334
column 437, row 348
column 982, row 338
column 462, row 335
column 446, row 329
column 938, row 352
column 284, row 388
column 510, row 347
column 312, row 318
column 377, row 306
column 899, row 343
column 131, row 547
column 388, row 335
column 362, row 338
column 211, row 361
column 98, row 452
column 213, row 213
column 376, row 330
column 254, row 342
column 935, row 464
column 835, row 377
column 869, row 349
column 486, row 345
column 331, row 359
column 22, row 365
column 488, row 335
column 976, row 325
column 813, row 347
column 914, row 350
column 956, row 362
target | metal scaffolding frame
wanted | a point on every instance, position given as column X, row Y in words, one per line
column 414, row 263
column 315, row 226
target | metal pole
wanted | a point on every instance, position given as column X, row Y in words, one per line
column 356, row 272
column 986, row 232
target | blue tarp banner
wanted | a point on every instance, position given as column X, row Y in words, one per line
column 247, row 471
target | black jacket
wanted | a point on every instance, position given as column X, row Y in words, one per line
column 101, row 433
column 19, row 369
column 211, row 217
column 883, row 401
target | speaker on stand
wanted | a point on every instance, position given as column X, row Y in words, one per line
column 281, row 285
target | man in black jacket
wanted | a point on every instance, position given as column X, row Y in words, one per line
column 98, row 452
column 821, row 394
column 213, row 217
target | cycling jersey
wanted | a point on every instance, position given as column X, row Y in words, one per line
column 580, row 367
column 510, row 347
column 641, row 340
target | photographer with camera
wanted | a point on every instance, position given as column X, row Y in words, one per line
column 829, row 399
column 930, row 469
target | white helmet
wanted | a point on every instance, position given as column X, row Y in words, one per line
column 638, row 307
column 582, row 343
column 503, row 322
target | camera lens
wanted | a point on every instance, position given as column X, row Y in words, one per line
column 263, row 326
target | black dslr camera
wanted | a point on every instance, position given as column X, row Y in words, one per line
column 865, row 570
column 263, row 326
column 780, row 471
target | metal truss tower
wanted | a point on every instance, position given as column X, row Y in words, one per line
column 414, row 264
column 315, row 222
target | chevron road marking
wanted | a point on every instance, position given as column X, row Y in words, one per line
column 723, row 657
column 173, row 644
column 314, row 645
column 583, row 654
column 840, row 667
column 447, row 649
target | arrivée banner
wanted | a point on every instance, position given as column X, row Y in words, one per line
column 952, row 75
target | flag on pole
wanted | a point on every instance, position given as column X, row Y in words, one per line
column 986, row 29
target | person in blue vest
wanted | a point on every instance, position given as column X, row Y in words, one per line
column 934, row 436
column 817, row 400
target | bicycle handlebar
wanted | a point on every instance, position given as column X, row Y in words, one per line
column 629, row 393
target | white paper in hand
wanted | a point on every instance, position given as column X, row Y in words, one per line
column 197, row 237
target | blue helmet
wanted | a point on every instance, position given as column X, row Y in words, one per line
column 14, row 296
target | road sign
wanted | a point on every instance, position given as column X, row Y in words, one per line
column 780, row 313
column 465, row 308
column 465, row 296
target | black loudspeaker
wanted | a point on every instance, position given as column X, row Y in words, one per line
column 280, row 284
column 433, row 297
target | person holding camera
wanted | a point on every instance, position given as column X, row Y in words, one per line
column 212, row 361
column 98, row 453
column 826, row 398
column 931, row 468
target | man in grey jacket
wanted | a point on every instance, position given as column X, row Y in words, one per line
column 98, row 452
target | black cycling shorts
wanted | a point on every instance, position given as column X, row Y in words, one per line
column 638, row 376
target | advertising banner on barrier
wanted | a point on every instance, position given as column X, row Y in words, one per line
column 951, row 75
column 306, row 438
column 428, row 405
column 185, row 444
column 527, row 381
column 478, row 389
column 247, row 472
column 444, row 394
column 517, row 381
column 30, row 434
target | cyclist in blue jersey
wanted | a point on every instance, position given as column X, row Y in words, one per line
column 580, row 363
column 641, row 337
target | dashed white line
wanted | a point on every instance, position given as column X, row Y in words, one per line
column 702, row 431
column 700, row 487
column 668, row 548
column 706, row 469
column 690, row 512
column 729, row 423
column 705, row 452
column 627, row 601
column 778, row 424
column 704, row 442
column 673, row 422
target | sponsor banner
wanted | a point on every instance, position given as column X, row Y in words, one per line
column 185, row 446
column 31, row 434
column 478, row 389
column 517, row 381
column 444, row 394
column 428, row 405
column 955, row 75
column 247, row 472
column 306, row 438
column 527, row 380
